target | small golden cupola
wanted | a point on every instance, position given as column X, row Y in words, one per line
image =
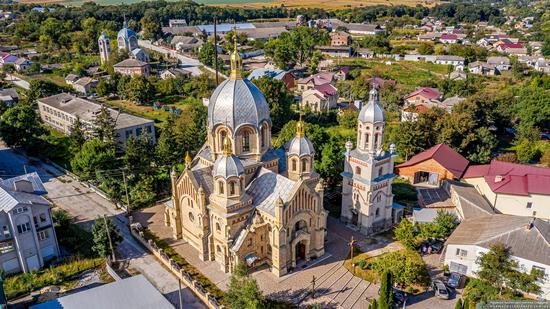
column 236, row 61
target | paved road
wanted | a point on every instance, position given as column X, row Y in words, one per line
column 188, row 63
column 86, row 206
column 18, row 81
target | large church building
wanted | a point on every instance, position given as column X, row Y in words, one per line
column 240, row 200
column 367, row 198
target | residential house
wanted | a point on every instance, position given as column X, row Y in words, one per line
column 448, row 38
column 27, row 239
column 287, row 77
column 482, row 68
column 543, row 65
column 177, row 23
column 430, row 36
column 7, row 59
column 363, row 29
column 500, row 63
column 457, row 75
column 132, row 292
column 186, row 43
column 71, row 79
column 449, row 60
column 341, row 73
column 365, row 53
column 174, row 72
column 60, row 112
column 412, row 112
column 320, row 98
column 312, row 81
column 514, row 189
column 380, row 83
column 515, row 49
column 448, row 103
column 340, row 38
column 85, row 85
column 9, row 96
column 527, row 239
column 433, row 165
column 132, row 67
column 423, row 95
column 22, row 64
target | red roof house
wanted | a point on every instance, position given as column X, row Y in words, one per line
column 423, row 95
column 433, row 165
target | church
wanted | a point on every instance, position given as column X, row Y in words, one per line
column 367, row 198
column 241, row 201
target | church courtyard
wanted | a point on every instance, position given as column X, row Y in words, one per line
column 335, row 286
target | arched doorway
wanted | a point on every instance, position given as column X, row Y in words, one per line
column 300, row 251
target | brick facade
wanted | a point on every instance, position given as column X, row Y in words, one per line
column 430, row 166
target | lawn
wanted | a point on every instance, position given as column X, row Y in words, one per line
column 51, row 77
column 148, row 111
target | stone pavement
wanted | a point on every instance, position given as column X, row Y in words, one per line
column 336, row 287
column 85, row 205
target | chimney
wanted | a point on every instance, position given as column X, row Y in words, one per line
column 498, row 178
column 23, row 186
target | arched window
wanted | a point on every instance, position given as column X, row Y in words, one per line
column 191, row 217
column 218, row 228
column 294, row 163
column 377, row 213
column 376, row 139
column 220, row 187
column 246, row 141
column 232, row 188
column 264, row 135
column 357, row 170
column 366, row 139
column 304, row 165
column 222, row 135
column 380, row 171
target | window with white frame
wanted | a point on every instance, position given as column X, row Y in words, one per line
column 43, row 235
column 6, row 247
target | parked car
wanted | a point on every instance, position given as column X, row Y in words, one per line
column 399, row 297
column 437, row 246
column 440, row 289
column 455, row 280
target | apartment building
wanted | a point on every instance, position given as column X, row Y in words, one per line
column 27, row 235
column 60, row 111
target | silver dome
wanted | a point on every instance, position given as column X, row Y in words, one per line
column 228, row 166
column 372, row 112
column 300, row 146
column 126, row 32
column 235, row 103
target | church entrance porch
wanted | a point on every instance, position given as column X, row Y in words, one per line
column 300, row 251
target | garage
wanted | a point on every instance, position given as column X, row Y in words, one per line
column 459, row 268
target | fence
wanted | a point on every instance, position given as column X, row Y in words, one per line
column 182, row 275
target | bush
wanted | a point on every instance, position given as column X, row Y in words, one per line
column 25, row 283
column 362, row 264
column 71, row 236
column 406, row 267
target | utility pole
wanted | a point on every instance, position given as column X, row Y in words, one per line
column 351, row 245
column 126, row 190
column 179, row 294
column 216, row 49
column 313, row 288
column 109, row 237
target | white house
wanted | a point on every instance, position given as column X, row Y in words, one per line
column 449, row 59
column 527, row 239
column 514, row 189
column 501, row 63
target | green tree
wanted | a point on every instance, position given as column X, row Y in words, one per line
column 94, row 155
column 243, row 290
column 150, row 25
column 20, row 126
column 426, row 49
column 190, row 127
column 385, row 300
column 142, row 194
column 104, row 126
column 278, row 99
column 443, row 225
column 40, row 89
column 167, row 152
column 101, row 237
column 406, row 267
column 374, row 304
column 77, row 136
column 139, row 90
column 330, row 166
column 136, row 155
column 545, row 159
column 348, row 118
column 207, row 54
column 404, row 233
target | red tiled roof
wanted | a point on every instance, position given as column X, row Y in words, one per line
column 429, row 93
column 327, row 89
column 318, row 79
column 510, row 45
column 512, row 178
column 444, row 155
column 449, row 37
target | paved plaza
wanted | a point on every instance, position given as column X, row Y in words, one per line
column 335, row 286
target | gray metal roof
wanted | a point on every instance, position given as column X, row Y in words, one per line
column 130, row 63
column 10, row 199
column 228, row 166
column 267, row 187
column 300, row 146
column 531, row 244
column 372, row 112
column 131, row 293
column 235, row 103
column 86, row 110
column 33, row 177
column 204, row 178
